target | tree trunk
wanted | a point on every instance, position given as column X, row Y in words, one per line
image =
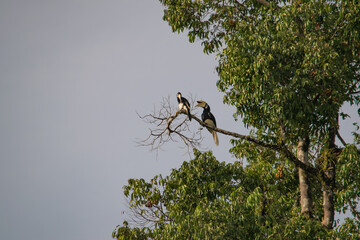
column 328, row 220
column 305, row 193
column 329, row 163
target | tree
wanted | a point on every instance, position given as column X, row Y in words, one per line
column 208, row 199
column 288, row 67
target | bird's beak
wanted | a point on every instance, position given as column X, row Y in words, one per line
column 200, row 104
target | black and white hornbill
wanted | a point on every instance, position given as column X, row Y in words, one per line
column 184, row 104
column 209, row 119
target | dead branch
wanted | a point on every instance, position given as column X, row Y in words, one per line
column 168, row 126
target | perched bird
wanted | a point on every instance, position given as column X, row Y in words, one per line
column 209, row 119
column 184, row 104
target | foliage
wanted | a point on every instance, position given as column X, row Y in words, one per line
column 288, row 67
column 293, row 62
column 208, row 199
column 348, row 180
column 127, row 233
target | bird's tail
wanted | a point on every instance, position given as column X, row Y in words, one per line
column 189, row 114
column 216, row 139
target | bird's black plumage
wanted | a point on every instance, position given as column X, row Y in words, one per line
column 184, row 104
column 208, row 118
column 207, row 115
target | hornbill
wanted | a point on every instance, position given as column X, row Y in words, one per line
column 209, row 119
column 184, row 104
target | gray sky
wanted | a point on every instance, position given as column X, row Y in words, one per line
column 73, row 74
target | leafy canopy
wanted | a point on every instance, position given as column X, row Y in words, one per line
column 291, row 62
column 288, row 67
column 208, row 199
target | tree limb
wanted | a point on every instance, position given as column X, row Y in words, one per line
column 340, row 138
column 169, row 126
column 343, row 141
column 277, row 147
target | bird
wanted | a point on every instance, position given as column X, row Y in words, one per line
column 209, row 119
column 184, row 104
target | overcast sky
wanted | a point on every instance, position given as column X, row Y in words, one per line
column 73, row 74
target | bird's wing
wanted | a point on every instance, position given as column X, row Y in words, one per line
column 212, row 118
column 186, row 103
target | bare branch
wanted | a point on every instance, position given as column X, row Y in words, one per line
column 169, row 127
column 166, row 125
